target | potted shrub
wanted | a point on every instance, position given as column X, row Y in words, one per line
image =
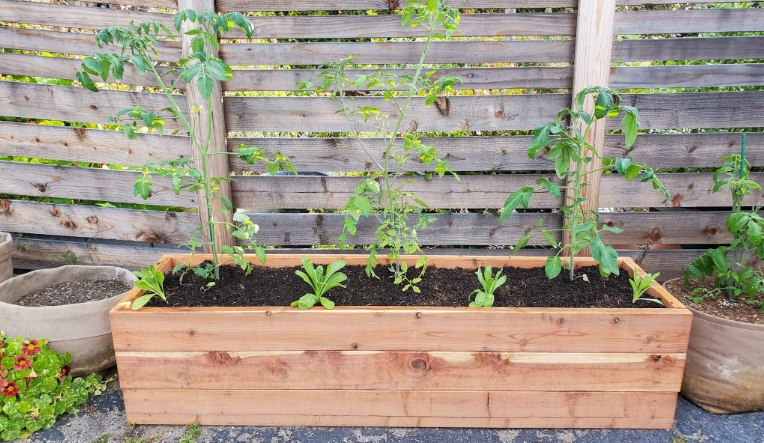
column 725, row 359
column 69, row 306
column 6, row 266
column 372, row 340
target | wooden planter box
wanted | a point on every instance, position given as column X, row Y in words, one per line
column 403, row 366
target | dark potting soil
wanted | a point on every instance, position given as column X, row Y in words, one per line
column 71, row 292
column 719, row 306
column 440, row 287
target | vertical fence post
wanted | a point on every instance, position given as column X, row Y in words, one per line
column 591, row 67
column 217, row 165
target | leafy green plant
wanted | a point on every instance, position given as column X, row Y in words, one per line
column 400, row 215
column 489, row 283
column 640, row 285
column 733, row 276
column 150, row 280
column 321, row 282
column 566, row 144
column 193, row 431
column 36, row 387
column 137, row 43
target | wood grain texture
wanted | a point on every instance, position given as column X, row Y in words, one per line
column 263, row 193
column 26, row 217
column 75, row 104
column 485, row 153
column 594, row 44
column 71, row 43
column 101, row 185
column 242, row 54
column 700, row 76
column 75, row 16
column 89, row 145
column 474, row 404
column 472, row 78
column 170, row 4
column 402, row 371
column 208, row 127
column 714, row 48
column 487, row 113
column 67, row 68
column 688, row 21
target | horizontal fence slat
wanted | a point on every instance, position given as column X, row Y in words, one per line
column 75, row 16
column 102, row 185
column 67, row 68
column 262, row 193
column 27, row 217
column 471, row 78
column 71, row 43
column 242, row 54
column 715, row 48
column 499, row 153
column 89, row 145
column 490, row 113
column 73, row 104
column 696, row 110
column 696, row 76
column 684, row 21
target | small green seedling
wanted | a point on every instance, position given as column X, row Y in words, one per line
column 640, row 285
column 490, row 283
column 320, row 282
column 151, row 281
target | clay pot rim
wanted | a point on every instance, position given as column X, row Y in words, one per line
column 713, row 318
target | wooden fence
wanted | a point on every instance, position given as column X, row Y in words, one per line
column 518, row 70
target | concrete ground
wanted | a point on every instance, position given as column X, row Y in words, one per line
column 102, row 420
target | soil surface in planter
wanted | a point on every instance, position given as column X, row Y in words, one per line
column 719, row 306
column 440, row 287
column 71, row 292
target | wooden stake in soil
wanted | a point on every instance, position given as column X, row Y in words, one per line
column 594, row 44
column 217, row 165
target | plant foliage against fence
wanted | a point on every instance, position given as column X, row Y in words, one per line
column 694, row 72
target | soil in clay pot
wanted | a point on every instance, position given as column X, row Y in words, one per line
column 719, row 306
column 75, row 291
column 440, row 287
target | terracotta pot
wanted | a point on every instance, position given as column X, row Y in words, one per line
column 724, row 373
column 6, row 267
column 82, row 329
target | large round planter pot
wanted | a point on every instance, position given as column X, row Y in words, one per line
column 81, row 329
column 724, row 373
column 6, row 267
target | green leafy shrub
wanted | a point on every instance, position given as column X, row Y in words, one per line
column 320, row 282
column 567, row 146
column 489, row 284
column 640, row 285
column 733, row 276
column 36, row 387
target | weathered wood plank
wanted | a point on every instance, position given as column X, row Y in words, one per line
column 642, row 228
column 242, row 54
column 102, row 185
column 66, row 68
column 700, row 76
column 89, row 145
column 170, row 4
column 696, row 150
column 489, row 113
column 472, row 78
column 689, row 21
column 41, row 253
column 71, row 43
column 76, row 16
column 715, row 48
column 26, row 217
column 474, row 404
column 475, row 192
column 75, row 104
column 402, row 371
